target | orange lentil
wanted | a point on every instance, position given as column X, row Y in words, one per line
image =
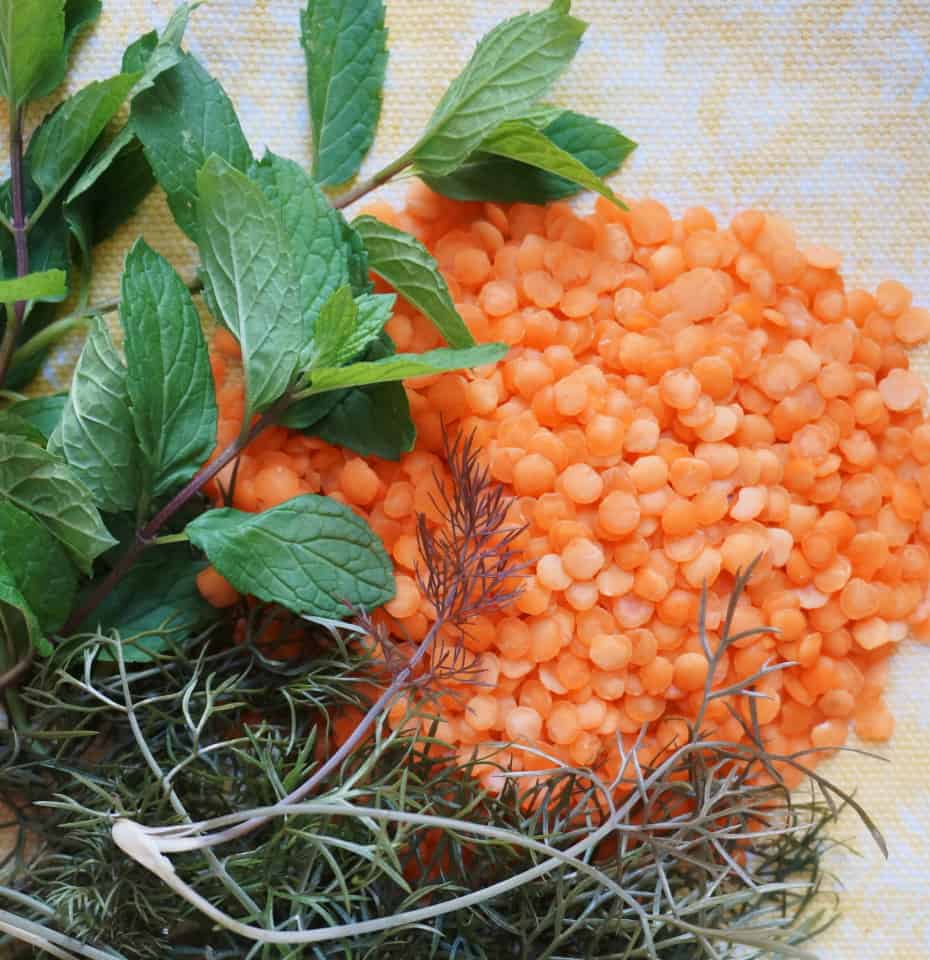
column 216, row 589
column 679, row 399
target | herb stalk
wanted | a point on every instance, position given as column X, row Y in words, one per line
column 367, row 186
column 17, row 189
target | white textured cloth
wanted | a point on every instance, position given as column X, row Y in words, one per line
column 815, row 108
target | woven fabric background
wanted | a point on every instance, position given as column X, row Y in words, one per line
column 819, row 109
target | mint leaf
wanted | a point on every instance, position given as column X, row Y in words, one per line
column 402, row 367
column 246, row 254
column 373, row 421
column 357, row 256
column 483, row 176
column 158, row 597
column 95, row 435
column 32, row 36
column 169, row 379
column 517, row 140
column 39, row 483
column 410, row 269
column 13, row 426
column 315, row 230
column 183, row 120
column 148, row 57
column 63, row 141
column 43, row 413
column 153, row 59
column 17, row 621
column 346, row 327
column 117, row 192
column 40, row 565
column 307, row 412
column 78, row 217
column 311, row 554
column 346, row 47
column 47, row 285
column 511, row 68
column 137, row 54
column 599, row 146
column 79, row 14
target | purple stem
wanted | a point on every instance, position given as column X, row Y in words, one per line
column 17, row 189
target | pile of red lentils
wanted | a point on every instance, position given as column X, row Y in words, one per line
column 680, row 397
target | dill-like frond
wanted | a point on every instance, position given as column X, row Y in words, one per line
column 709, row 860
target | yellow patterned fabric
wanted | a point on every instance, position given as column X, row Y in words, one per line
column 817, row 109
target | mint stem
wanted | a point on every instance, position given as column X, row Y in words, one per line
column 17, row 189
column 367, row 186
column 146, row 535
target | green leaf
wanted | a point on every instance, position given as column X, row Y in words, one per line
column 402, row 367
column 510, row 70
column 311, row 410
column 168, row 369
column 520, row 141
column 14, row 426
column 160, row 591
column 43, row 413
column 32, row 36
column 40, row 565
column 311, row 554
column 148, row 57
column 373, row 421
column 63, row 141
column 346, row 47
column 95, row 435
column 78, row 217
column 152, row 60
column 119, row 190
column 247, row 256
column 484, row 177
column 79, row 14
column 541, row 115
column 410, row 269
column 315, row 230
column 47, row 285
column 359, row 278
column 137, row 54
column 24, row 624
column 44, row 486
column 599, row 146
column 183, row 120
column 346, row 327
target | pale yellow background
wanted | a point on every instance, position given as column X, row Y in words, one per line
column 816, row 109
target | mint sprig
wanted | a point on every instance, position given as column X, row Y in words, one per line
column 281, row 269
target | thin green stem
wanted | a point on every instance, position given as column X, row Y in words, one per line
column 6, row 222
column 367, row 186
column 170, row 538
column 55, row 331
